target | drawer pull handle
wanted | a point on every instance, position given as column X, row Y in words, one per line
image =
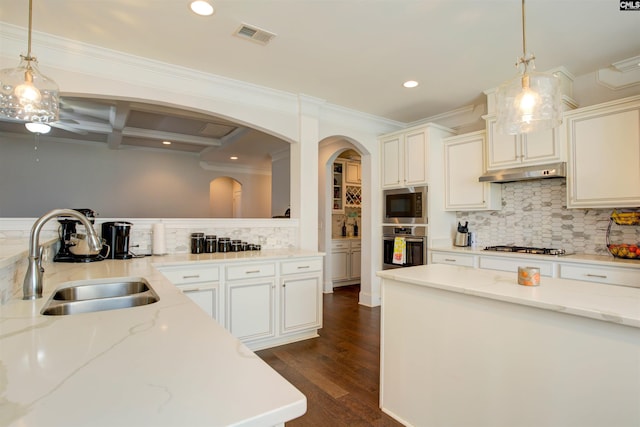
column 303, row 266
column 252, row 271
column 450, row 260
column 599, row 276
column 192, row 290
column 195, row 276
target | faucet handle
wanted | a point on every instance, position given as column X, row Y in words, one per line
column 40, row 254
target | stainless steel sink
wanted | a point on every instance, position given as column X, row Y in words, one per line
column 101, row 290
column 100, row 295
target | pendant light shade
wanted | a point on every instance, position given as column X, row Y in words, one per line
column 531, row 101
column 25, row 93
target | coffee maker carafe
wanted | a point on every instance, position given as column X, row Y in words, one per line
column 116, row 235
column 73, row 247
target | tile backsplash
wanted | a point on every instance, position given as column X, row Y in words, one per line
column 534, row 213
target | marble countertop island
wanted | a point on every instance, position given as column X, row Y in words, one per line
column 163, row 364
column 609, row 303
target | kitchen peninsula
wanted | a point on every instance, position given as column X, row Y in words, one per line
column 466, row 346
column 162, row 364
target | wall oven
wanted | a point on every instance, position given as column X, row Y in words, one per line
column 415, row 238
column 405, row 206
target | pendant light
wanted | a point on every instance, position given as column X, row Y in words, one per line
column 26, row 94
column 531, row 101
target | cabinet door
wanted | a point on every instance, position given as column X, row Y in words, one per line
column 205, row 296
column 340, row 265
column 250, row 309
column 604, row 156
column 355, row 261
column 464, row 163
column 416, row 153
column 301, row 303
column 503, row 150
column 541, row 147
column 352, row 173
column 391, row 161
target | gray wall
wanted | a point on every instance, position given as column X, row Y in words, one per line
column 115, row 183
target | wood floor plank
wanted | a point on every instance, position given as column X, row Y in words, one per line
column 339, row 372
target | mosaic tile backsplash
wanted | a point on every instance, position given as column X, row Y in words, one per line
column 534, row 213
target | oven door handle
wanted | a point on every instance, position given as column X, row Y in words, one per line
column 408, row 239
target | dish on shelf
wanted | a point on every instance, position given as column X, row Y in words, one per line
column 626, row 218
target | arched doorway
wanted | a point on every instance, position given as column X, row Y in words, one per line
column 225, row 198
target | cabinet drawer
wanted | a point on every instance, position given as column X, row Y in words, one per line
column 185, row 275
column 301, row 266
column 339, row 244
column 356, row 244
column 502, row 264
column 249, row 271
column 612, row 276
column 453, row 259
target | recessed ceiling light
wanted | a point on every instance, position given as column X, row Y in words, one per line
column 40, row 128
column 166, row 142
column 234, row 157
column 202, row 8
column 410, row 83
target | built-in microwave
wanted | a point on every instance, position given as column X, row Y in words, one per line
column 405, row 205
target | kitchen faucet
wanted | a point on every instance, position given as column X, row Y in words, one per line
column 32, row 286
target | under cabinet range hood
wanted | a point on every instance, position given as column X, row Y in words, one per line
column 555, row 170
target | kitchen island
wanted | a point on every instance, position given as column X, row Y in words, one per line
column 162, row 364
column 463, row 346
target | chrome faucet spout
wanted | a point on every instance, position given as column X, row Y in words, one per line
column 32, row 285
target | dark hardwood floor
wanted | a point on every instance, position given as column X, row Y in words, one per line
column 339, row 371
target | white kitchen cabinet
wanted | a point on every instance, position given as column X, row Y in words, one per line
column 345, row 261
column 338, row 187
column 464, row 162
column 508, row 151
column 300, row 296
column 453, row 259
column 604, row 155
column 600, row 274
column 200, row 283
column 250, row 308
column 405, row 155
column 352, row 171
column 547, row 268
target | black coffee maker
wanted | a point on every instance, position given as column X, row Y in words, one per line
column 116, row 235
column 72, row 248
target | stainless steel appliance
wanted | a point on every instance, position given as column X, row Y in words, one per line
column 73, row 245
column 462, row 235
column 526, row 250
column 416, row 245
column 405, row 205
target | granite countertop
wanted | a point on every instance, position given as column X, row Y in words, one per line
column 163, row 364
column 616, row 304
column 608, row 260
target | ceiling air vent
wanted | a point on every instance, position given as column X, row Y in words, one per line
column 255, row 34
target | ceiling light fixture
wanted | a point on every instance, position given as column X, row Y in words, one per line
column 234, row 157
column 166, row 142
column 35, row 127
column 26, row 94
column 410, row 84
column 531, row 101
column 202, row 8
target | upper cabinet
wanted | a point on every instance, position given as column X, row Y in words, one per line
column 338, row 187
column 604, row 155
column 464, row 159
column 507, row 151
column 352, row 170
column 405, row 156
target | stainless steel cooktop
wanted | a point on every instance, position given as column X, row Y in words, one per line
column 526, row 250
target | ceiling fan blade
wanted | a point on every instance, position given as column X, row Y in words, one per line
column 68, row 128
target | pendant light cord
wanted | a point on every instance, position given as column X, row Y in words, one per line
column 28, row 57
column 524, row 38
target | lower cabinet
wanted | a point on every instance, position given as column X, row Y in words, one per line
column 250, row 308
column 263, row 304
column 557, row 267
column 345, row 261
